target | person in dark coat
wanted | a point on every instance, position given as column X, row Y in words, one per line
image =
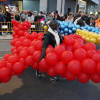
column 17, row 17
column 51, row 38
column 2, row 19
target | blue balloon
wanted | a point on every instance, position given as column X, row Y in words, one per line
column 77, row 26
column 70, row 32
column 66, row 33
column 74, row 29
column 66, row 30
column 62, row 27
column 62, row 32
column 70, row 26
column 66, row 25
column 89, row 28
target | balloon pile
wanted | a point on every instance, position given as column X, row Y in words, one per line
column 91, row 29
column 67, row 28
column 89, row 36
column 73, row 59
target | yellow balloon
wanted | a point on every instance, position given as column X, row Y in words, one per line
column 93, row 40
column 78, row 30
column 83, row 37
column 45, row 27
column 87, row 39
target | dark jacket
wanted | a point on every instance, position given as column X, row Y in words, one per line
column 49, row 39
column 17, row 17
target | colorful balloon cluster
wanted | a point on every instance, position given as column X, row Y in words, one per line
column 89, row 36
column 72, row 59
column 67, row 28
column 91, row 29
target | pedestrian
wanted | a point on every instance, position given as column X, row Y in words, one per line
column 92, row 20
column 77, row 17
column 51, row 38
column 24, row 16
column 2, row 19
column 17, row 17
column 56, row 16
column 70, row 18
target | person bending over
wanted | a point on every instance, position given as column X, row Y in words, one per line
column 52, row 37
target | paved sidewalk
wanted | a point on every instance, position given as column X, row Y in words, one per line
column 6, row 37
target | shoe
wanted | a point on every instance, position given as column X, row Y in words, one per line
column 53, row 79
column 38, row 75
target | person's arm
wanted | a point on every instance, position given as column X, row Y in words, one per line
column 45, row 45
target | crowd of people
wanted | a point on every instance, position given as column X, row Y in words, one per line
column 81, row 18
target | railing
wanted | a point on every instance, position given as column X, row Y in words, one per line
column 7, row 27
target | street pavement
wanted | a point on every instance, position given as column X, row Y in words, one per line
column 27, row 87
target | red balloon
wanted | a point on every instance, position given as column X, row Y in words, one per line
column 22, row 60
column 67, row 56
column 42, row 70
column 98, row 68
column 78, row 45
column 83, row 78
column 18, row 44
column 18, row 67
column 98, row 51
column 23, row 54
column 26, row 67
column 74, row 67
column 14, row 34
column 13, row 48
column 19, row 49
column 19, row 73
column 16, row 30
column 43, row 64
column 20, row 27
column 2, row 63
column 26, row 43
column 59, row 50
column 33, row 42
column 4, row 72
column 14, row 52
column 36, row 55
column 48, row 50
column 29, row 60
column 28, row 36
column 68, row 40
column 69, row 48
column 22, row 38
column 31, row 50
column 88, row 66
column 13, row 59
column 95, row 78
column 12, row 73
column 51, row 72
column 90, row 53
column 9, row 65
column 51, row 58
column 35, row 66
column 33, row 35
column 80, row 54
column 69, row 76
column 40, row 36
column 60, row 68
column 90, row 46
column 25, row 48
column 79, row 40
column 96, row 57
column 38, row 45
column 21, row 33
column 5, row 80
